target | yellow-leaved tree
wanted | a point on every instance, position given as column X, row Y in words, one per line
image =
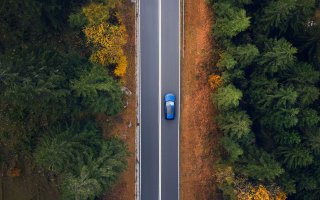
column 260, row 193
column 121, row 68
column 107, row 39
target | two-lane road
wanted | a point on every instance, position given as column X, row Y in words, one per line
column 160, row 73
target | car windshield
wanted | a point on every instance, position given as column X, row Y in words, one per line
column 169, row 105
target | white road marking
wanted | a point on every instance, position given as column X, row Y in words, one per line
column 179, row 94
column 160, row 97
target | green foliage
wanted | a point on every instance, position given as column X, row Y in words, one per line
column 288, row 138
column 226, row 61
column 81, row 187
column 77, row 20
column 301, row 74
column 313, row 140
column 259, row 165
column 308, row 95
column 229, row 20
column 278, row 98
column 278, row 56
column 99, row 91
column 308, row 118
column 234, row 150
column 281, row 119
column 62, row 151
column 277, row 14
column 29, row 76
column 235, row 124
column 96, row 13
column 47, row 90
column 98, row 173
column 296, row 157
column 227, row 97
column 310, row 43
column 279, row 87
column 245, row 54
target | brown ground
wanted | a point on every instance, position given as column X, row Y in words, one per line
column 198, row 132
column 125, row 124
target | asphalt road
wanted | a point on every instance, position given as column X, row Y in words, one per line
column 151, row 117
column 170, row 83
column 149, row 125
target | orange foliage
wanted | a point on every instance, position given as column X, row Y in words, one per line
column 15, row 172
column 281, row 196
column 121, row 68
column 261, row 193
column 214, row 81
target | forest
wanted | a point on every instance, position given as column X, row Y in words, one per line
column 61, row 64
column 267, row 96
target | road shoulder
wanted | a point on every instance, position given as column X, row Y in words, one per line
column 198, row 135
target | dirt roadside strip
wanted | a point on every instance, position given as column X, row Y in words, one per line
column 198, row 134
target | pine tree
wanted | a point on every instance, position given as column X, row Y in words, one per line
column 313, row 140
column 61, row 151
column 278, row 56
column 281, row 119
column 308, row 119
column 226, row 61
column 229, row 20
column 244, row 54
column 234, row 124
column 277, row 15
column 99, row 91
column 295, row 157
column 233, row 148
column 98, row 173
column 227, row 97
column 259, row 165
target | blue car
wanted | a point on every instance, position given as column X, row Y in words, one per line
column 169, row 106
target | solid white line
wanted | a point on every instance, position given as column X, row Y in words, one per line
column 179, row 96
column 160, row 99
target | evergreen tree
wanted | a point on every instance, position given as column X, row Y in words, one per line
column 61, row 151
column 229, row 20
column 227, row 97
column 277, row 14
column 235, row 124
column 278, row 56
column 295, row 157
column 244, row 54
column 281, row 119
column 259, row 165
column 233, row 148
column 99, row 91
column 226, row 61
column 98, row 173
column 308, row 118
column 313, row 140
column 288, row 138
